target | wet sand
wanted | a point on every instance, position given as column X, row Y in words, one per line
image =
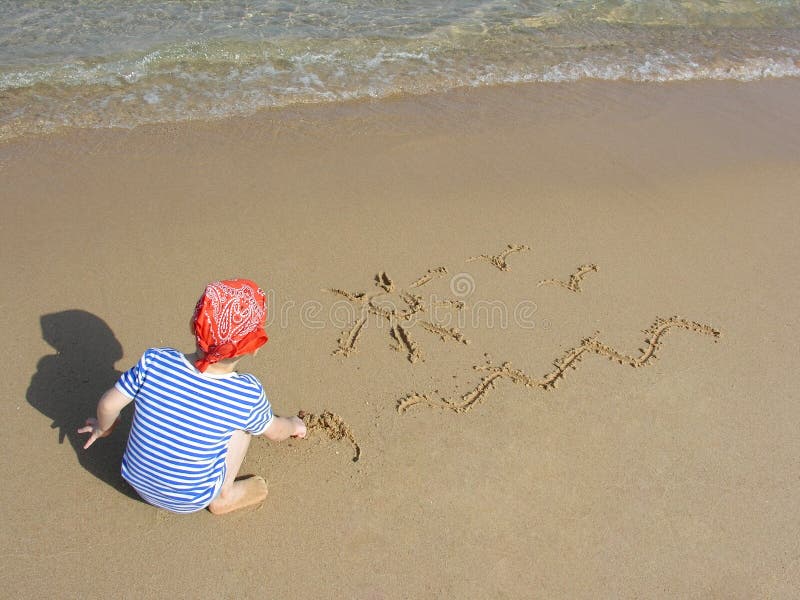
column 534, row 460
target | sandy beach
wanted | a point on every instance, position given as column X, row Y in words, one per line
column 627, row 432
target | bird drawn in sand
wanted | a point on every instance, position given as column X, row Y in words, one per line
column 400, row 320
column 499, row 260
column 574, row 283
column 570, row 360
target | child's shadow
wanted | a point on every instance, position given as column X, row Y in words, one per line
column 68, row 384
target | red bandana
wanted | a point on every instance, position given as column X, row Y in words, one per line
column 229, row 320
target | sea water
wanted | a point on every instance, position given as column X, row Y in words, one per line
column 120, row 63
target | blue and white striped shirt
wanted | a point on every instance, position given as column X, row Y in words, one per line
column 182, row 424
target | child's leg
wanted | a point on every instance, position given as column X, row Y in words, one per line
column 233, row 494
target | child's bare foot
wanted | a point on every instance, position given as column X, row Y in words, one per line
column 243, row 493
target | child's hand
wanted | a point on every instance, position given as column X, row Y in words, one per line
column 299, row 427
column 92, row 427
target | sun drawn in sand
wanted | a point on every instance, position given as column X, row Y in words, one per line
column 400, row 320
column 570, row 360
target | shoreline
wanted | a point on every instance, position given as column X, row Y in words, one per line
column 481, row 111
column 463, row 99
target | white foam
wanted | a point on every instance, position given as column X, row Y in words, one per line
column 212, row 80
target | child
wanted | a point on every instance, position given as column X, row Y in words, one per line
column 194, row 414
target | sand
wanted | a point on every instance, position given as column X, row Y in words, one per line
column 485, row 252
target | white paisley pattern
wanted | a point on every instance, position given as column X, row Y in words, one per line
column 237, row 311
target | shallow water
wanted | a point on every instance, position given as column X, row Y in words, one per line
column 119, row 63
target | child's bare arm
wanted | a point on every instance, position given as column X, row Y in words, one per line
column 108, row 409
column 281, row 428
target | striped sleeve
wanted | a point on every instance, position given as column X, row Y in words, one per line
column 261, row 415
column 132, row 379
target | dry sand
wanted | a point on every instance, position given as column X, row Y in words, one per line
column 680, row 478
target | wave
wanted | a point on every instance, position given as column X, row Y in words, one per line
column 232, row 77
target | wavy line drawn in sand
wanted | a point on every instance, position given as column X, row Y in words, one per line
column 569, row 360
column 333, row 426
column 499, row 260
column 574, row 283
column 400, row 320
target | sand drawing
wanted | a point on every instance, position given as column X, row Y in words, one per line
column 399, row 320
column 574, row 283
column 333, row 426
column 499, row 260
column 569, row 360
column 431, row 274
column 382, row 280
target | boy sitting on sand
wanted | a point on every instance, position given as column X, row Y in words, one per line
column 194, row 414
